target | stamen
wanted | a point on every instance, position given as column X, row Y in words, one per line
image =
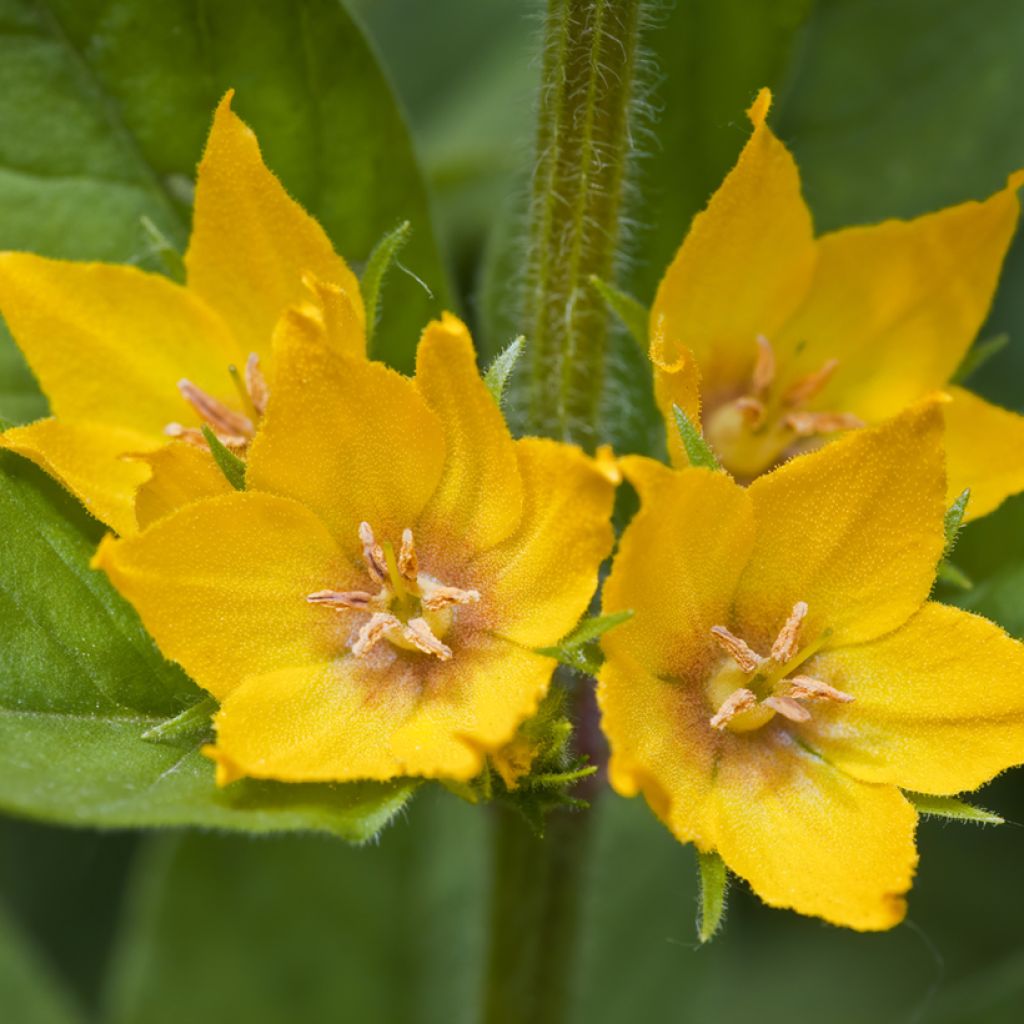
column 243, row 393
column 788, row 708
column 787, row 643
column 222, row 419
column 740, row 652
column 809, row 688
column 437, row 597
column 373, row 554
column 752, row 409
column 408, row 564
column 807, row 387
column 736, row 703
column 358, row 600
column 418, row 632
column 807, row 424
column 380, row 624
column 256, row 384
column 764, row 368
column 187, row 434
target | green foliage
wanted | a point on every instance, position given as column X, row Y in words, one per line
column 953, row 520
column 227, row 461
column 194, row 725
column 633, row 314
column 579, row 650
column 698, row 451
column 978, row 356
column 385, row 252
column 714, row 887
column 501, row 369
column 950, row 807
column 81, row 684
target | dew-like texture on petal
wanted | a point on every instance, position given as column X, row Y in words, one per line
column 938, row 704
column 984, row 451
column 181, row 473
column 479, row 499
column 806, row 836
column 349, row 438
column 385, row 716
column 539, row 582
column 251, row 242
column 899, row 303
column 854, row 529
column 221, row 585
column 745, row 264
column 109, row 343
column 661, row 744
column 677, row 568
column 87, row 458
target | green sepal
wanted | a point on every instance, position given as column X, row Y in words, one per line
column 979, row 355
column 954, row 519
column 377, row 266
column 698, row 451
column 947, row 572
column 714, row 886
column 229, row 463
column 633, row 314
column 499, row 372
column 163, row 251
column 192, row 726
column 950, row 807
column 578, row 650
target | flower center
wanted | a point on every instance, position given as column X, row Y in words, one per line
column 411, row 609
column 753, row 432
column 749, row 690
column 235, row 430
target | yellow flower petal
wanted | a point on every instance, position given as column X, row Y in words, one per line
column 251, row 242
column 745, row 264
column 222, row 586
column 808, row 837
column 984, row 451
column 675, row 384
column 938, row 704
column 678, row 565
column 109, row 343
column 479, row 499
column 181, row 473
column 353, row 719
column 351, row 439
column 661, row 744
column 87, row 459
column 540, row 580
column 854, row 529
column 899, row 303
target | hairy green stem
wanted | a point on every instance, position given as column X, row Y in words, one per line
column 534, row 917
column 583, row 146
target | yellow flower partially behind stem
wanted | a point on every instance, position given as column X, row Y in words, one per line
column 371, row 605
column 796, row 338
column 126, row 357
column 784, row 676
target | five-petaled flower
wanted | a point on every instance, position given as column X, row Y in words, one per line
column 790, row 338
column 130, row 360
column 784, row 677
column 369, row 607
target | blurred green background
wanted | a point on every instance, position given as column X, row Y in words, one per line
column 893, row 107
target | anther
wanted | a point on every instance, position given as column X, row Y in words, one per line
column 788, row 708
column 809, row 688
column 408, row 564
column 808, row 424
column 787, row 643
column 437, row 597
column 752, row 410
column 256, row 384
column 373, row 554
column 418, row 632
column 736, row 703
column 764, row 367
column 378, row 627
column 222, row 419
column 740, row 652
column 358, row 600
column 807, row 387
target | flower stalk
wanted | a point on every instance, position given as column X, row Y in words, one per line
column 583, row 148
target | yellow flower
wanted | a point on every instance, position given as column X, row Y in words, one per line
column 795, row 338
column 784, row 676
column 370, row 607
column 127, row 358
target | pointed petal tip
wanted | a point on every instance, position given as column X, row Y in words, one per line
column 758, row 110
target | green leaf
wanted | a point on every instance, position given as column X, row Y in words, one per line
column 954, row 520
column 577, row 650
column 192, row 726
column 979, row 355
column 502, row 367
column 698, row 451
column 161, row 249
column 384, row 254
column 103, row 117
column 595, row 627
column 81, row 683
column 633, row 314
column 949, row 573
column 314, row 929
column 714, row 886
column 950, row 807
column 227, row 461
